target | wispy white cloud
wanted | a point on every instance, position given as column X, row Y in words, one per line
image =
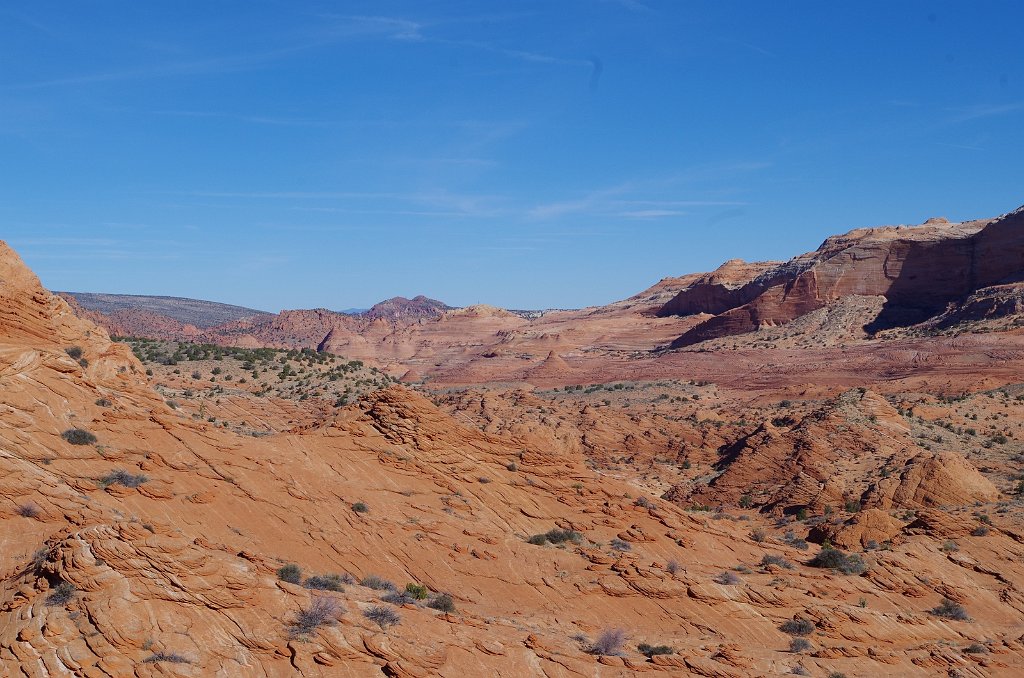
column 965, row 147
column 650, row 214
column 631, row 5
column 443, row 202
column 980, row 111
column 629, row 199
column 214, row 65
column 406, row 30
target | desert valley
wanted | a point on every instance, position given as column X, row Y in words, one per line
column 809, row 467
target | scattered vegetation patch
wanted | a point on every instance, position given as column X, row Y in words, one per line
column 74, row 351
column 556, row 536
column 443, row 602
column 651, row 650
column 417, row 591
column 620, row 545
column 798, row 645
column 103, row 402
column 372, row 581
column 383, row 617
column 950, row 609
column 78, row 436
column 61, row 595
column 975, row 648
column 322, row 611
column 777, row 561
column 28, row 510
column 609, row 643
column 122, row 477
column 797, row 627
column 290, row 573
column 325, row 582
column 169, row 657
column 398, row 598
column 360, row 507
column 728, row 578
column 834, row 559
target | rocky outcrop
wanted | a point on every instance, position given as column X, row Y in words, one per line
column 919, row 271
column 732, row 284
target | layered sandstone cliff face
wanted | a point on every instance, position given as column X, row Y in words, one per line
column 920, row 271
column 171, row 530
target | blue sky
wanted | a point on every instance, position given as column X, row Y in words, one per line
column 548, row 153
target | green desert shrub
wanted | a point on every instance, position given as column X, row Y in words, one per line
column 417, row 591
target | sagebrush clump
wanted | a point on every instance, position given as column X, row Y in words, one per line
column 78, row 436
column 797, row 627
column 609, row 643
column 122, row 477
column 832, row 558
column 383, row 617
column 322, row 611
column 950, row 609
column 290, row 573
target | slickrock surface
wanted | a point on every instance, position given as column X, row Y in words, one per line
column 696, row 492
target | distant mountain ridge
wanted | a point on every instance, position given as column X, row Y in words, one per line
column 197, row 312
